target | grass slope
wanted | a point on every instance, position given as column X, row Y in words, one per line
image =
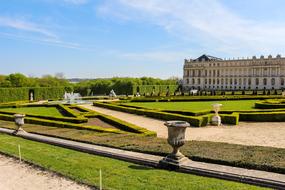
column 197, row 106
column 45, row 111
column 116, row 174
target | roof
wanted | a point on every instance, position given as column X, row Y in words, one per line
column 207, row 58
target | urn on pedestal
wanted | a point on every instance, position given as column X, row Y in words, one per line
column 216, row 119
column 19, row 121
column 176, row 139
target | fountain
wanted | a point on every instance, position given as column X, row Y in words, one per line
column 71, row 98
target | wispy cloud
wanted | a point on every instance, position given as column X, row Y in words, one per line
column 207, row 22
column 25, row 26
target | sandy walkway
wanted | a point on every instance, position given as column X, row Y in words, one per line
column 246, row 133
column 14, row 175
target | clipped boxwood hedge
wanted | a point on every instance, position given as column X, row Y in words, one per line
column 22, row 93
column 263, row 116
column 203, row 98
column 270, row 104
column 197, row 121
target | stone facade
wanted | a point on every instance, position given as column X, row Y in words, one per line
column 212, row 73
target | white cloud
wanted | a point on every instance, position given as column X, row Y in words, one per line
column 208, row 23
column 25, row 26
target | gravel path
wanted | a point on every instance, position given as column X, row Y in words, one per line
column 246, row 133
column 16, row 175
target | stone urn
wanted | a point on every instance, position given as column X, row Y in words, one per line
column 19, row 121
column 216, row 119
column 176, row 139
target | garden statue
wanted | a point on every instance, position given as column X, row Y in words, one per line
column 19, row 121
column 176, row 139
column 112, row 94
column 31, row 96
column 216, row 119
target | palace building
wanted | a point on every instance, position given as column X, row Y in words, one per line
column 212, row 73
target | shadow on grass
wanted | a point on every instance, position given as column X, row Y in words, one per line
column 138, row 167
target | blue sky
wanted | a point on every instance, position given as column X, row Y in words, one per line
column 133, row 38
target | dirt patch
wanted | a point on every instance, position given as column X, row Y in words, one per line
column 99, row 122
column 78, row 110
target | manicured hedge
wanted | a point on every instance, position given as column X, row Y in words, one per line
column 200, row 98
column 154, row 89
column 232, row 119
column 263, row 116
column 125, row 126
column 270, row 104
column 46, row 122
column 40, row 93
column 197, row 121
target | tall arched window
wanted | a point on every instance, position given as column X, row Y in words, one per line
column 273, row 81
column 256, row 81
column 264, row 81
column 282, row 81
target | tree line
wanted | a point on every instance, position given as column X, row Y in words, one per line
column 119, row 85
column 20, row 80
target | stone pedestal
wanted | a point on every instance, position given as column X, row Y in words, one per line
column 176, row 139
column 216, row 120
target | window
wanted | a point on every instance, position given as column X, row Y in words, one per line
column 273, row 81
column 256, row 81
column 282, row 81
column 193, row 81
column 210, row 81
column 249, row 81
column 187, row 81
column 264, row 81
column 199, row 81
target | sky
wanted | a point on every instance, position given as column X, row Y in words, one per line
column 133, row 38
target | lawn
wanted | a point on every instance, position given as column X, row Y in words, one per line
column 197, row 105
column 45, row 111
column 116, row 174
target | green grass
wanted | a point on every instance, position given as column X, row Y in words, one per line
column 45, row 111
column 197, row 105
column 116, row 174
column 257, row 157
